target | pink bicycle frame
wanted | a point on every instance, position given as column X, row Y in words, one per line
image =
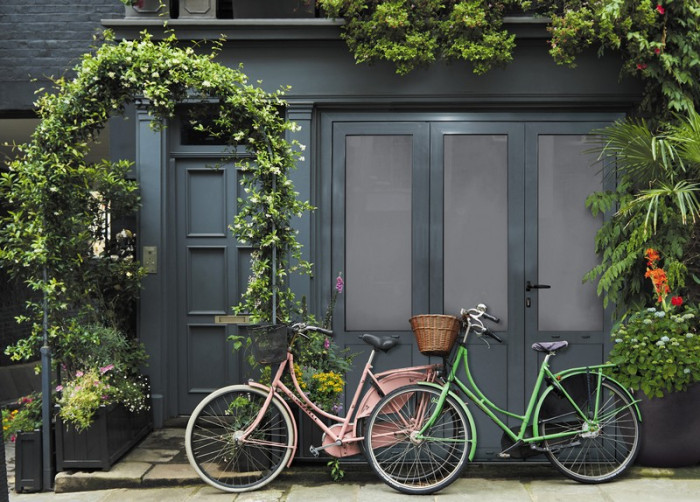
column 345, row 441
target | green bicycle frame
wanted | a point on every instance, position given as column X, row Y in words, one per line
column 474, row 394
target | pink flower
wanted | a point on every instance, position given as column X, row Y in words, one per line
column 660, row 9
column 79, row 373
column 59, row 388
column 641, row 66
column 657, row 51
column 105, row 369
column 326, row 344
column 339, row 284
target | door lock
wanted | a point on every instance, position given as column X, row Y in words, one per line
column 529, row 286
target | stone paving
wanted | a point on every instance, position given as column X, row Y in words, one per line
column 157, row 470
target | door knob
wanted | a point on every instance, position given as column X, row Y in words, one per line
column 529, row 286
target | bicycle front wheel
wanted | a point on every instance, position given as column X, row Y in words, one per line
column 220, row 454
column 406, row 460
column 595, row 450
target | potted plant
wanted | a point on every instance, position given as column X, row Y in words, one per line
column 149, row 8
column 103, row 408
column 656, row 351
column 21, row 424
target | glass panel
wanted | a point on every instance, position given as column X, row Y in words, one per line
column 378, row 232
column 476, row 223
column 566, row 234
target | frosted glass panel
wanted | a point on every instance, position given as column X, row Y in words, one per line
column 378, row 232
column 566, row 234
column 476, row 223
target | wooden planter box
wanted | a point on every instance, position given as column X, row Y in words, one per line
column 28, row 462
column 114, row 432
column 197, row 9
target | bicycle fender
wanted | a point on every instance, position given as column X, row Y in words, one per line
column 387, row 383
column 470, row 417
column 295, row 444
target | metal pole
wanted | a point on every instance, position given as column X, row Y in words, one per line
column 274, row 265
column 46, row 398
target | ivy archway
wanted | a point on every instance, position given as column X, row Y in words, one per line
column 56, row 197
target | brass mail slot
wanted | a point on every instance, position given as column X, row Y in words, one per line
column 232, row 319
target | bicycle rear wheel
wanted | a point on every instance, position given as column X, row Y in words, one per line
column 407, row 462
column 215, row 448
column 601, row 450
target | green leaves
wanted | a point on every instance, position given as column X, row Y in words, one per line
column 58, row 202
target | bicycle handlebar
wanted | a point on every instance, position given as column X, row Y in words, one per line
column 475, row 315
column 301, row 328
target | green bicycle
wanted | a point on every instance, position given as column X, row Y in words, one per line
column 419, row 437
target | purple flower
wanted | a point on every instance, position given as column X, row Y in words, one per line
column 326, row 344
column 337, row 408
column 339, row 284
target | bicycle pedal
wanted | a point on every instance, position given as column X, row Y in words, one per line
column 504, row 455
column 314, row 451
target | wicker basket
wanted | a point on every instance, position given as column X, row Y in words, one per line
column 435, row 334
column 269, row 343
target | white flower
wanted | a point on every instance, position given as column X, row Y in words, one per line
column 660, row 314
column 665, row 339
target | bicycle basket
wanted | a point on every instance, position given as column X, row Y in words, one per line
column 435, row 334
column 269, row 343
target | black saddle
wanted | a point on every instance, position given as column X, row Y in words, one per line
column 549, row 347
column 383, row 343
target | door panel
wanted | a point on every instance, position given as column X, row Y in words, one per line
column 561, row 171
column 476, row 203
column 211, row 271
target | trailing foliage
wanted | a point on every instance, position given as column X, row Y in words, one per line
column 414, row 33
column 57, row 200
column 659, row 41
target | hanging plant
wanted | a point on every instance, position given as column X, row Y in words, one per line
column 57, row 200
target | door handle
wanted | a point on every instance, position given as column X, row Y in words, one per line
column 529, row 286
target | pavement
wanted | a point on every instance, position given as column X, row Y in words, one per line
column 157, row 470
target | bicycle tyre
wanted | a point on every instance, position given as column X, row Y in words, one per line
column 212, row 439
column 601, row 452
column 405, row 463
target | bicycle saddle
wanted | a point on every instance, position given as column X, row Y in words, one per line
column 549, row 346
column 383, row 343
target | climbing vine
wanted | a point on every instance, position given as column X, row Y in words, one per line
column 56, row 199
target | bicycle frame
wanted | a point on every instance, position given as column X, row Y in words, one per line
column 473, row 393
column 344, row 442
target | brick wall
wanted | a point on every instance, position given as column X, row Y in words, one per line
column 40, row 38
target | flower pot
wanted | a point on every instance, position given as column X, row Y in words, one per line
column 148, row 8
column 273, row 8
column 114, row 431
column 28, row 462
column 202, row 9
column 670, row 432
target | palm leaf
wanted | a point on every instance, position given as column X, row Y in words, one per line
column 638, row 152
column 683, row 195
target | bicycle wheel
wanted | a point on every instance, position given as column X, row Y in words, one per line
column 214, row 446
column 406, row 462
column 601, row 449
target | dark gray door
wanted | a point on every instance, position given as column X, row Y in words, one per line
column 432, row 216
column 210, row 267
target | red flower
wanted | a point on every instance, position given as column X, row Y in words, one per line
column 660, row 9
column 641, row 66
column 657, row 51
column 676, row 301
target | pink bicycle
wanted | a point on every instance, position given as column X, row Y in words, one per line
column 240, row 437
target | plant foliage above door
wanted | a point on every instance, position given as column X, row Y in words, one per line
column 50, row 188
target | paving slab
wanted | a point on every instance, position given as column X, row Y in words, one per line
column 121, row 475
